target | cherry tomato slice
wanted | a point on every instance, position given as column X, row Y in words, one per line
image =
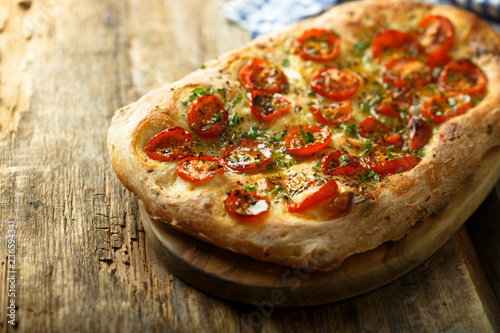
column 334, row 83
column 208, row 116
column 394, row 43
column 406, row 72
column 463, row 76
column 340, row 163
column 196, row 169
column 435, row 34
column 334, row 113
column 394, row 101
column 441, row 107
column 304, row 140
column 311, row 193
column 398, row 164
column 371, row 128
column 246, row 156
column 260, row 74
column 246, row 205
column 318, row 45
column 438, row 58
column 420, row 133
column 172, row 144
column 267, row 107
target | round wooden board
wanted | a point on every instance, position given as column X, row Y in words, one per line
column 236, row 277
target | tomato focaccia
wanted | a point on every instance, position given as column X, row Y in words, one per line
column 321, row 141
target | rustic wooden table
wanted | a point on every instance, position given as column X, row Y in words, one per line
column 79, row 261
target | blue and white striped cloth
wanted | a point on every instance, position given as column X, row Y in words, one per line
column 263, row 16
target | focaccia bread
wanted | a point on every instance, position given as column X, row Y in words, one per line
column 323, row 140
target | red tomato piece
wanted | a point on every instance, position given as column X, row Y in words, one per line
column 246, row 205
column 438, row 58
column 420, row 133
column 334, row 113
column 394, row 101
column 304, row 140
column 340, row 163
column 260, row 74
column 208, row 116
column 406, row 72
column 463, row 76
column 441, row 107
column 267, row 107
column 195, row 169
column 246, row 156
column 318, row 45
column 172, row 144
column 373, row 129
column 435, row 37
column 398, row 164
column 311, row 193
column 334, row 83
column 394, row 43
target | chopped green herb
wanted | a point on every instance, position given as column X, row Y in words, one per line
column 360, row 47
column 195, row 136
column 349, row 129
column 198, row 92
column 343, row 159
column 285, row 62
column 307, row 136
column 249, row 188
column 252, row 134
column 363, row 178
column 452, row 101
column 233, row 120
column 203, row 66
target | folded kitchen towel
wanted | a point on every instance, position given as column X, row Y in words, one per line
column 263, row 16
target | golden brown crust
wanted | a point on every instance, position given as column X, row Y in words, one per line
column 298, row 240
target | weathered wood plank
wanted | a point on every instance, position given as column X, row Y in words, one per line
column 81, row 256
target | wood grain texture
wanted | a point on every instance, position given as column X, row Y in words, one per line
column 81, row 255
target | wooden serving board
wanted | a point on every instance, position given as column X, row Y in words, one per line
column 236, row 277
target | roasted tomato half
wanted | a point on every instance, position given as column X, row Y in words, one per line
column 172, row 144
column 267, row 107
column 318, row 45
column 406, row 72
column 334, row 113
column 395, row 165
column 207, row 116
column 340, row 163
column 334, row 83
column 420, row 133
column 394, row 44
column 441, row 107
column 246, row 205
column 463, row 76
column 260, row 74
column 394, row 101
column 373, row 129
column 435, row 37
column 246, row 156
column 304, row 140
column 311, row 193
column 195, row 169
